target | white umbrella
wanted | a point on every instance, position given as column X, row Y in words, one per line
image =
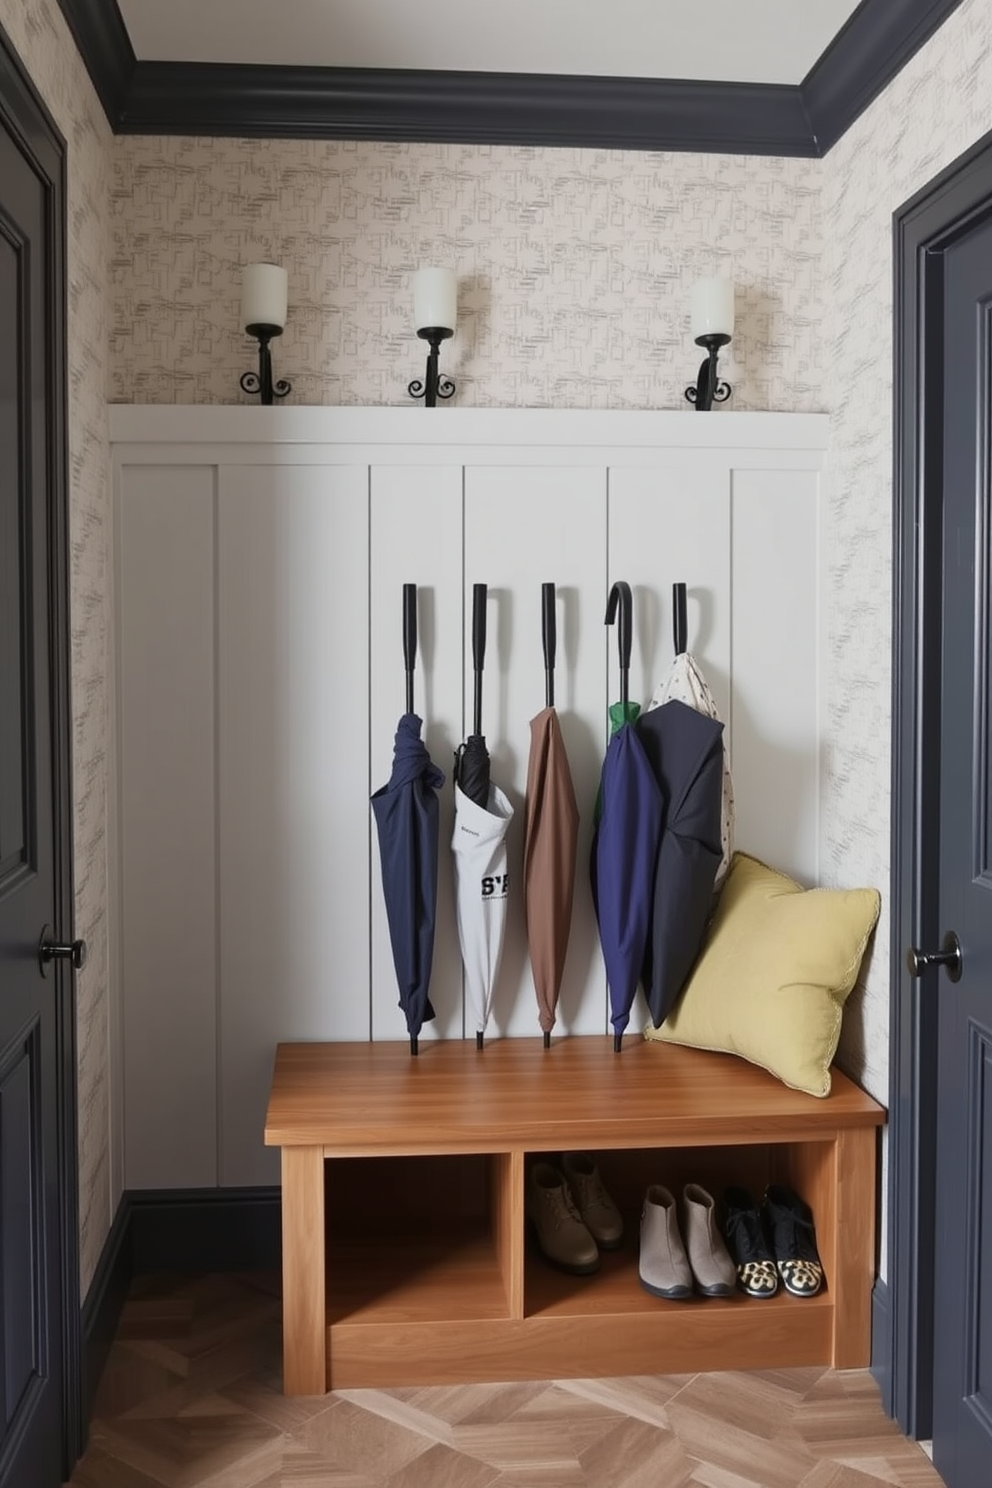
column 481, row 893
column 685, row 683
column 482, row 816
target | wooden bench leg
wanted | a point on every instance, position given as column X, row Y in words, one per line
column 854, row 1265
column 304, row 1261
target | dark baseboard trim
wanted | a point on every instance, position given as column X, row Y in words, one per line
column 212, row 1229
column 101, row 1310
column 881, row 1342
column 194, row 1229
column 182, row 98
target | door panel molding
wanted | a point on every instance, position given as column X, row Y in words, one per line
column 25, row 115
column 983, row 604
column 956, row 201
column 979, row 1109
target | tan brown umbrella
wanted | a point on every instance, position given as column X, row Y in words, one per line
column 550, row 835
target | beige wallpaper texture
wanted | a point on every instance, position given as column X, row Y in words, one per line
column 43, row 43
column 938, row 106
column 574, row 269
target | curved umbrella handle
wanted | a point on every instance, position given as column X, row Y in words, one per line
column 480, row 594
column 549, row 639
column 620, row 595
column 679, row 623
column 409, row 639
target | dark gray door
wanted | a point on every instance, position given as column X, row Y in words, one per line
column 35, row 1285
column 963, row 1231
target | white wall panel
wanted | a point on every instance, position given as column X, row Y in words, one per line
column 668, row 526
column 775, row 720
column 168, row 819
column 261, row 677
column 416, row 536
column 293, row 761
column 523, row 527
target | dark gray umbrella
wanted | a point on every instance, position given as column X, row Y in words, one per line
column 406, row 817
column 685, row 683
column 684, row 750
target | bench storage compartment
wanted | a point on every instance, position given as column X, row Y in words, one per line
column 405, row 1253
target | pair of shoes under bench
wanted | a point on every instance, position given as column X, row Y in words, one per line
column 573, row 1215
column 673, row 1268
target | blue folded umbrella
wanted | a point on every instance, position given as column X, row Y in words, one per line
column 406, row 816
column 624, row 855
column 627, row 836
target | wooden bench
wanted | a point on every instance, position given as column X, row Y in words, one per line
column 405, row 1258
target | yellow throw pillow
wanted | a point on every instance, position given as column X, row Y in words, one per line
column 772, row 977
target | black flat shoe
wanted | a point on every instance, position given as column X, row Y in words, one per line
column 748, row 1244
column 790, row 1226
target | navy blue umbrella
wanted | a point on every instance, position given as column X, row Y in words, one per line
column 626, row 840
column 406, row 817
column 684, row 750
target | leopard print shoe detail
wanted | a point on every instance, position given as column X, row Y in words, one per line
column 748, row 1244
column 789, row 1222
column 801, row 1278
column 758, row 1278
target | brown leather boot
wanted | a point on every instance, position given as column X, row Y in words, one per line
column 564, row 1239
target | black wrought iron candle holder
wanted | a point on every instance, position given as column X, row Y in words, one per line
column 261, row 381
column 434, row 386
column 709, row 389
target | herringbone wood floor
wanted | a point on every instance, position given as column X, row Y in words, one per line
column 191, row 1398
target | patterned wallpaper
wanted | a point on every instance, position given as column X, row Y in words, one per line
column 574, row 270
column 938, row 106
column 42, row 40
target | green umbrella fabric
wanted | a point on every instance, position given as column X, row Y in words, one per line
column 619, row 714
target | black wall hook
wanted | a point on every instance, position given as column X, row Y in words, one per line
column 679, row 622
column 549, row 640
column 409, row 639
column 621, row 597
column 480, row 595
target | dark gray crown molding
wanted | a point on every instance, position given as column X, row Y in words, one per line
column 504, row 108
column 467, row 108
column 862, row 60
column 103, row 43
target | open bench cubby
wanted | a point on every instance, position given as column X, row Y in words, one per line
column 406, row 1258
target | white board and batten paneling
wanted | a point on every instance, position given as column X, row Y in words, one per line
column 262, row 554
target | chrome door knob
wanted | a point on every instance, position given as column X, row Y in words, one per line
column 73, row 951
column 949, row 957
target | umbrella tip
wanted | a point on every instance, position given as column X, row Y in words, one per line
column 617, row 1042
column 479, row 1037
column 414, row 1046
column 547, row 1041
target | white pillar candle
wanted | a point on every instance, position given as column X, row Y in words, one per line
column 435, row 298
column 264, row 295
column 712, row 305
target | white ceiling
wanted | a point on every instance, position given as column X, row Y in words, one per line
column 751, row 41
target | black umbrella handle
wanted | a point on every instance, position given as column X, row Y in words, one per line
column 409, row 639
column 549, row 638
column 679, row 622
column 480, row 595
column 620, row 596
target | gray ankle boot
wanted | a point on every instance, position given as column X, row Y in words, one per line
column 712, row 1267
column 664, row 1268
